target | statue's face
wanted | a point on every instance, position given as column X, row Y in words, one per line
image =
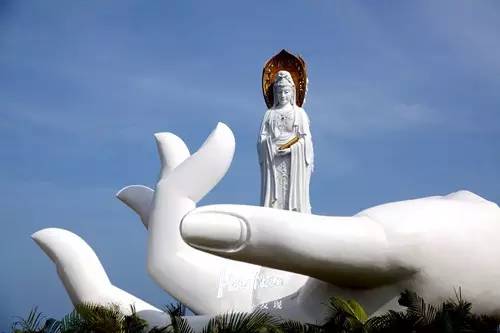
column 284, row 95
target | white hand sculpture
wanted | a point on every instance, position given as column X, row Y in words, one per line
column 430, row 245
column 419, row 244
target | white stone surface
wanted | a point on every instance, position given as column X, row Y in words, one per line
column 84, row 277
column 430, row 245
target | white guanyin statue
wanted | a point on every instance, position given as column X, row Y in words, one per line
column 285, row 149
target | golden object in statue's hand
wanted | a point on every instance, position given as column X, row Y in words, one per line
column 290, row 143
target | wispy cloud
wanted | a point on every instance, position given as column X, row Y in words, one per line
column 363, row 114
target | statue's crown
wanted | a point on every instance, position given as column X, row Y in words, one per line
column 284, row 79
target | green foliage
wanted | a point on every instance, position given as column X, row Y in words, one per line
column 34, row 323
column 71, row 323
column 177, row 323
column 31, row 324
column 133, row 323
column 257, row 321
column 453, row 316
column 86, row 318
column 345, row 316
column 292, row 326
column 178, row 309
column 100, row 319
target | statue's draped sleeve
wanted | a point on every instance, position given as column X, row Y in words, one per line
column 265, row 150
column 302, row 161
column 263, row 134
column 305, row 133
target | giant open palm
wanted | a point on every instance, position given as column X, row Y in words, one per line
column 237, row 257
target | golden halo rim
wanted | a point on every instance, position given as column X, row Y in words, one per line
column 287, row 61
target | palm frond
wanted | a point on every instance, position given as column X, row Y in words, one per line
column 155, row 329
column 133, row 323
column 98, row 318
column 345, row 316
column 241, row 322
column 293, row 326
column 458, row 306
column 179, row 325
column 391, row 322
column 30, row 324
column 175, row 309
column 349, row 308
column 425, row 314
column 357, row 310
column 72, row 322
column 51, row 326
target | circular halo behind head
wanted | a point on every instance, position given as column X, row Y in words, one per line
column 295, row 66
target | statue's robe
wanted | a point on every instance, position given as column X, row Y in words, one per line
column 301, row 163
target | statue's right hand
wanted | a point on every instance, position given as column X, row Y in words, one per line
column 281, row 152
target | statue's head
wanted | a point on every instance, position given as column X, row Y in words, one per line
column 283, row 89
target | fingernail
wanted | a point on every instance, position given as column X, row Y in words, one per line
column 214, row 231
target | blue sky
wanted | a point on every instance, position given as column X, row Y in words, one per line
column 403, row 98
